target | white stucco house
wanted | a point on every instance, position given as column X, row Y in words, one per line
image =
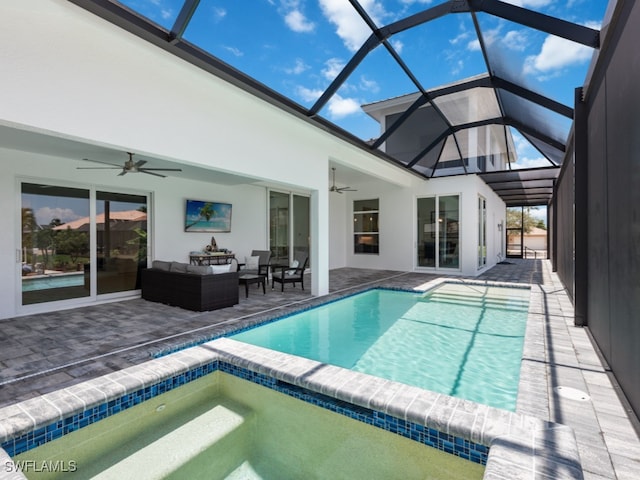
column 76, row 86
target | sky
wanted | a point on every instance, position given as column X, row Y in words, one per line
column 297, row 47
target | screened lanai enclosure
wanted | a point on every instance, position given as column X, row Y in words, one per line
column 378, row 74
column 538, row 98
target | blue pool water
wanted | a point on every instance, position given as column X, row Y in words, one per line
column 30, row 284
column 460, row 339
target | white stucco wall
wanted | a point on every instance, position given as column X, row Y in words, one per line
column 397, row 223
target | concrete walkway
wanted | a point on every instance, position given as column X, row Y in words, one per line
column 41, row 353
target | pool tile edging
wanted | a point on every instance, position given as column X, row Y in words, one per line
column 33, row 422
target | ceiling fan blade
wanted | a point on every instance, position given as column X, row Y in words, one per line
column 164, row 169
column 148, row 172
column 103, row 163
column 139, row 163
column 98, row 168
column 123, row 172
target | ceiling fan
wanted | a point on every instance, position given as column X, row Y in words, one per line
column 130, row 167
column 333, row 187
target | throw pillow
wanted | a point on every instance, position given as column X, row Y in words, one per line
column 294, row 264
column 252, row 263
column 226, row 268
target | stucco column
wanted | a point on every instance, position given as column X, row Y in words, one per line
column 320, row 242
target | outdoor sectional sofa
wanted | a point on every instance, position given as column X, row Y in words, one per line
column 193, row 287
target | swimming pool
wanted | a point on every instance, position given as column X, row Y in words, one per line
column 463, row 340
column 42, row 282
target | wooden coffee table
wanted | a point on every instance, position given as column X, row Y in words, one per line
column 248, row 279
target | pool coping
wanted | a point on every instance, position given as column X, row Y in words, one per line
column 520, row 446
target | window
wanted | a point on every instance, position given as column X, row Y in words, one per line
column 365, row 226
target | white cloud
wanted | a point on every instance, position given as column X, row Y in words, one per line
column 234, row 50
column 539, row 213
column 460, row 38
column 341, row 107
column 556, row 54
column 338, row 106
column 515, row 40
column 297, row 22
column 45, row 215
column 397, row 45
column 369, row 85
column 332, row 68
column 349, row 26
column 298, row 68
column 526, row 162
column 307, row 94
column 457, row 67
column 219, row 13
column 528, row 156
column 474, row 45
column 489, row 37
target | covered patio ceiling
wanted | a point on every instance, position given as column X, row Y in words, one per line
column 390, row 50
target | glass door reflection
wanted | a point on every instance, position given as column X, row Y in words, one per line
column 121, row 240
column 55, row 243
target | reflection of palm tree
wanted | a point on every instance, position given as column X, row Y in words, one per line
column 29, row 228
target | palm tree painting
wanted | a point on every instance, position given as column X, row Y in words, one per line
column 207, row 216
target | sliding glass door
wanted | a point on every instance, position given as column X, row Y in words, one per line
column 288, row 226
column 78, row 243
column 427, row 232
column 121, row 241
column 482, row 232
column 55, row 243
column 438, row 232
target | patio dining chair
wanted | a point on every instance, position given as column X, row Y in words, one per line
column 261, row 267
column 292, row 274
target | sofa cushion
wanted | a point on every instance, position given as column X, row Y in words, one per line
column 199, row 269
column 161, row 265
column 179, row 267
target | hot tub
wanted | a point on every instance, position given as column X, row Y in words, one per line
column 221, row 426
